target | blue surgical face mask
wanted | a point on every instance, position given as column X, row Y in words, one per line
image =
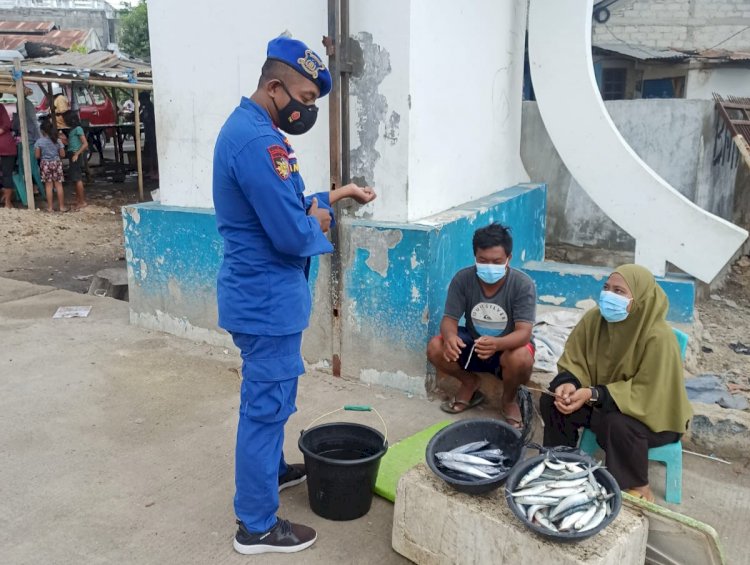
column 613, row 307
column 491, row 273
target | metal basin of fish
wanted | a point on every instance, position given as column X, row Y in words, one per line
column 496, row 433
column 523, row 472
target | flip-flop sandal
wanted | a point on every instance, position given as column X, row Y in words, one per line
column 449, row 406
column 640, row 496
column 515, row 422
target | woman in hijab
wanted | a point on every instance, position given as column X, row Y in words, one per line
column 621, row 376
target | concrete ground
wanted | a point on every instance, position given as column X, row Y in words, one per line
column 117, row 446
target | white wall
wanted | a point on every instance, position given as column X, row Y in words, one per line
column 380, row 99
column 466, row 72
column 702, row 83
column 204, row 59
column 435, row 113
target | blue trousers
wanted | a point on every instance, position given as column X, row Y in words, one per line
column 267, row 399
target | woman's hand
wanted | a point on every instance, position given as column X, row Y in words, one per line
column 571, row 399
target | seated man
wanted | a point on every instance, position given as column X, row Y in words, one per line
column 499, row 305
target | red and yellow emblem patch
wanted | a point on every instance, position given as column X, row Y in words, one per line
column 280, row 161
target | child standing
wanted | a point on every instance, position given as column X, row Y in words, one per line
column 77, row 148
column 7, row 157
column 49, row 149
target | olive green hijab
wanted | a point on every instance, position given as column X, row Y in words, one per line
column 637, row 359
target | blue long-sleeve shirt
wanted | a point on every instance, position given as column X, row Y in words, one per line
column 261, row 212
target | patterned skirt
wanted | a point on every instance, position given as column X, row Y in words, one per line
column 52, row 171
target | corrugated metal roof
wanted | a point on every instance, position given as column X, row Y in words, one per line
column 64, row 38
column 644, row 53
column 641, row 52
column 26, row 27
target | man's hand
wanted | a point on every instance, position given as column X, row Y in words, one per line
column 570, row 399
column 452, row 347
column 485, row 347
column 362, row 195
column 74, row 157
column 321, row 214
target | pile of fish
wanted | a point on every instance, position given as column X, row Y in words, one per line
column 474, row 461
column 562, row 496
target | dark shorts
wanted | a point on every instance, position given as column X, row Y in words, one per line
column 471, row 362
column 74, row 169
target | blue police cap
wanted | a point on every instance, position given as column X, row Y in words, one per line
column 302, row 59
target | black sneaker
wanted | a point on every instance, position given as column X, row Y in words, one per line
column 284, row 537
column 295, row 475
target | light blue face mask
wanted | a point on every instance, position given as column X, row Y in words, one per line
column 613, row 307
column 491, row 273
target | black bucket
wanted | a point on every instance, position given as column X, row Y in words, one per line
column 342, row 462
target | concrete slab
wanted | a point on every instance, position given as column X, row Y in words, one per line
column 15, row 290
column 436, row 525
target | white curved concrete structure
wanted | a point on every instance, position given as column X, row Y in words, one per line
column 666, row 225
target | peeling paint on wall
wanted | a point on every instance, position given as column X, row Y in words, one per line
column 376, row 243
column 372, row 108
column 548, row 299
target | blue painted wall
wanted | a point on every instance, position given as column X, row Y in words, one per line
column 570, row 284
column 396, row 277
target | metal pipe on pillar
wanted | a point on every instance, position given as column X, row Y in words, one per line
column 338, row 124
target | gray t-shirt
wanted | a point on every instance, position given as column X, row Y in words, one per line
column 495, row 315
column 50, row 151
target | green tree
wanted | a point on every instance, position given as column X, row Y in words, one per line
column 134, row 31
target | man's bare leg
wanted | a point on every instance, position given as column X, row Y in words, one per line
column 469, row 381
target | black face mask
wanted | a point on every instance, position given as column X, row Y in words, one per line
column 296, row 118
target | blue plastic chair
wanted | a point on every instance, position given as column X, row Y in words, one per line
column 670, row 454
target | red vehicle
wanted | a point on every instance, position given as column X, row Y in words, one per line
column 94, row 104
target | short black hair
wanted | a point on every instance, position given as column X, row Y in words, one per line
column 273, row 70
column 71, row 119
column 494, row 235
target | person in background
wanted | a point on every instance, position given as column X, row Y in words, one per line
column 48, row 150
column 32, row 129
column 621, row 376
column 149, row 131
column 62, row 107
column 8, row 152
column 77, row 148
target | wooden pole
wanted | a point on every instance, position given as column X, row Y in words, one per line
column 137, row 137
column 25, row 156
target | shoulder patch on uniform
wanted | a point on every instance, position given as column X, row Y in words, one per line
column 280, row 161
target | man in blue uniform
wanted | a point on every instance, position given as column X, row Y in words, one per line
column 270, row 231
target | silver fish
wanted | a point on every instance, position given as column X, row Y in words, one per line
column 537, row 489
column 535, row 472
column 490, row 454
column 537, row 499
column 570, row 502
column 563, row 492
column 555, row 466
column 586, row 518
column 597, row 519
column 463, row 458
column 542, row 519
column 567, row 483
column 569, row 521
column 531, row 510
column 469, row 447
column 464, row 468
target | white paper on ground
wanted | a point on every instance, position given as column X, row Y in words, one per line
column 72, row 312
